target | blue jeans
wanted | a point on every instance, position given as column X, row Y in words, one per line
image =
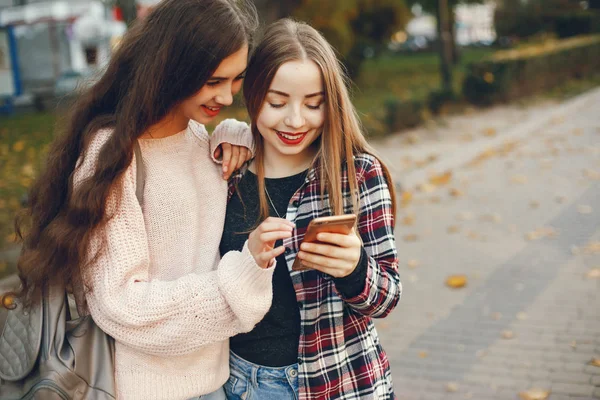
column 216, row 395
column 250, row 381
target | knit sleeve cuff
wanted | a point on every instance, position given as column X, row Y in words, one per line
column 234, row 132
column 243, row 275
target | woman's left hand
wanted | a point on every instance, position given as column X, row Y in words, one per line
column 233, row 157
column 336, row 254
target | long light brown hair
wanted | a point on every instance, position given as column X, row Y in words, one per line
column 162, row 60
column 341, row 138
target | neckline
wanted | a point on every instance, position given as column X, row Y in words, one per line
column 289, row 177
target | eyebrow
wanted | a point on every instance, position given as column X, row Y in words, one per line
column 222, row 78
column 287, row 95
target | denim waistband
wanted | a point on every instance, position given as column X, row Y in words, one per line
column 257, row 372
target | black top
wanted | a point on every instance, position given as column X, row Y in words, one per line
column 274, row 341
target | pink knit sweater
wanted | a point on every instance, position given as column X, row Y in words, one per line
column 160, row 287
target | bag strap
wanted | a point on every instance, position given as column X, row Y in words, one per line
column 140, row 176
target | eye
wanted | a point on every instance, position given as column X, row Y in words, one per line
column 213, row 83
column 314, row 107
column 276, row 105
column 239, row 78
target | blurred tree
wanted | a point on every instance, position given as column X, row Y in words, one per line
column 356, row 28
column 446, row 33
column 515, row 18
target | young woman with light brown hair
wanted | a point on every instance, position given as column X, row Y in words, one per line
column 318, row 340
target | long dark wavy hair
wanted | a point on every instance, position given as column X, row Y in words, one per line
column 162, row 60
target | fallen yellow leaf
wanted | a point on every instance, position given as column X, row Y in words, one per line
column 441, row 179
column 591, row 174
column 456, row 281
column 408, row 220
column 595, row 362
column 454, row 192
column 426, row 187
column 406, row 198
column 534, row 204
column 584, row 209
column 506, row 334
column 453, row 229
column 522, row 316
column 535, row 394
column 413, row 263
column 592, row 248
column 489, row 132
column 452, row 387
column 423, row 354
column 410, row 237
column 519, row 179
column 593, row 273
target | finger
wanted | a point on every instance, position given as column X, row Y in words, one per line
column 226, row 156
column 244, row 155
column 274, row 236
column 331, row 251
column 267, row 256
column 338, row 239
column 217, row 154
column 274, row 226
column 235, row 156
column 241, row 158
column 248, row 154
column 320, row 260
column 280, row 220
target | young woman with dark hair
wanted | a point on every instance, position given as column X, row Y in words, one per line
column 150, row 274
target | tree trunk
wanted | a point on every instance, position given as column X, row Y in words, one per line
column 445, row 38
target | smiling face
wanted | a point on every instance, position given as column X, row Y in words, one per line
column 218, row 91
column 293, row 113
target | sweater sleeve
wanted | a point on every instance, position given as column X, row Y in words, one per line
column 234, row 132
column 165, row 317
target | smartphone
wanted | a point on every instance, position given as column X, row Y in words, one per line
column 335, row 224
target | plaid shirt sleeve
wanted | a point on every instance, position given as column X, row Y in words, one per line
column 382, row 288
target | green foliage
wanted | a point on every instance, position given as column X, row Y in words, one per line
column 353, row 25
column 403, row 114
column 516, row 73
column 516, row 18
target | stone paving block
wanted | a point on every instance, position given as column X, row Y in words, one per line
column 592, row 370
column 570, row 377
column 596, row 393
column 573, row 389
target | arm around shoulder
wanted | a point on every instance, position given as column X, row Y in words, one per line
column 234, row 132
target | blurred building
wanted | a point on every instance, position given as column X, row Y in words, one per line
column 52, row 40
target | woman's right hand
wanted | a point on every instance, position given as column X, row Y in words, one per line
column 261, row 241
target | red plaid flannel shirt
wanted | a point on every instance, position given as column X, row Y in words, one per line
column 339, row 354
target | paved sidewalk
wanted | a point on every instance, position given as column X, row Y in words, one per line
column 522, row 223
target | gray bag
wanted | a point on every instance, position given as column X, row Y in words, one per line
column 46, row 355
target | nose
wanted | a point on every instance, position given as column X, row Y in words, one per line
column 294, row 119
column 225, row 96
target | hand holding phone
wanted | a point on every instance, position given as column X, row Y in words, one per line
column 330, row 245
